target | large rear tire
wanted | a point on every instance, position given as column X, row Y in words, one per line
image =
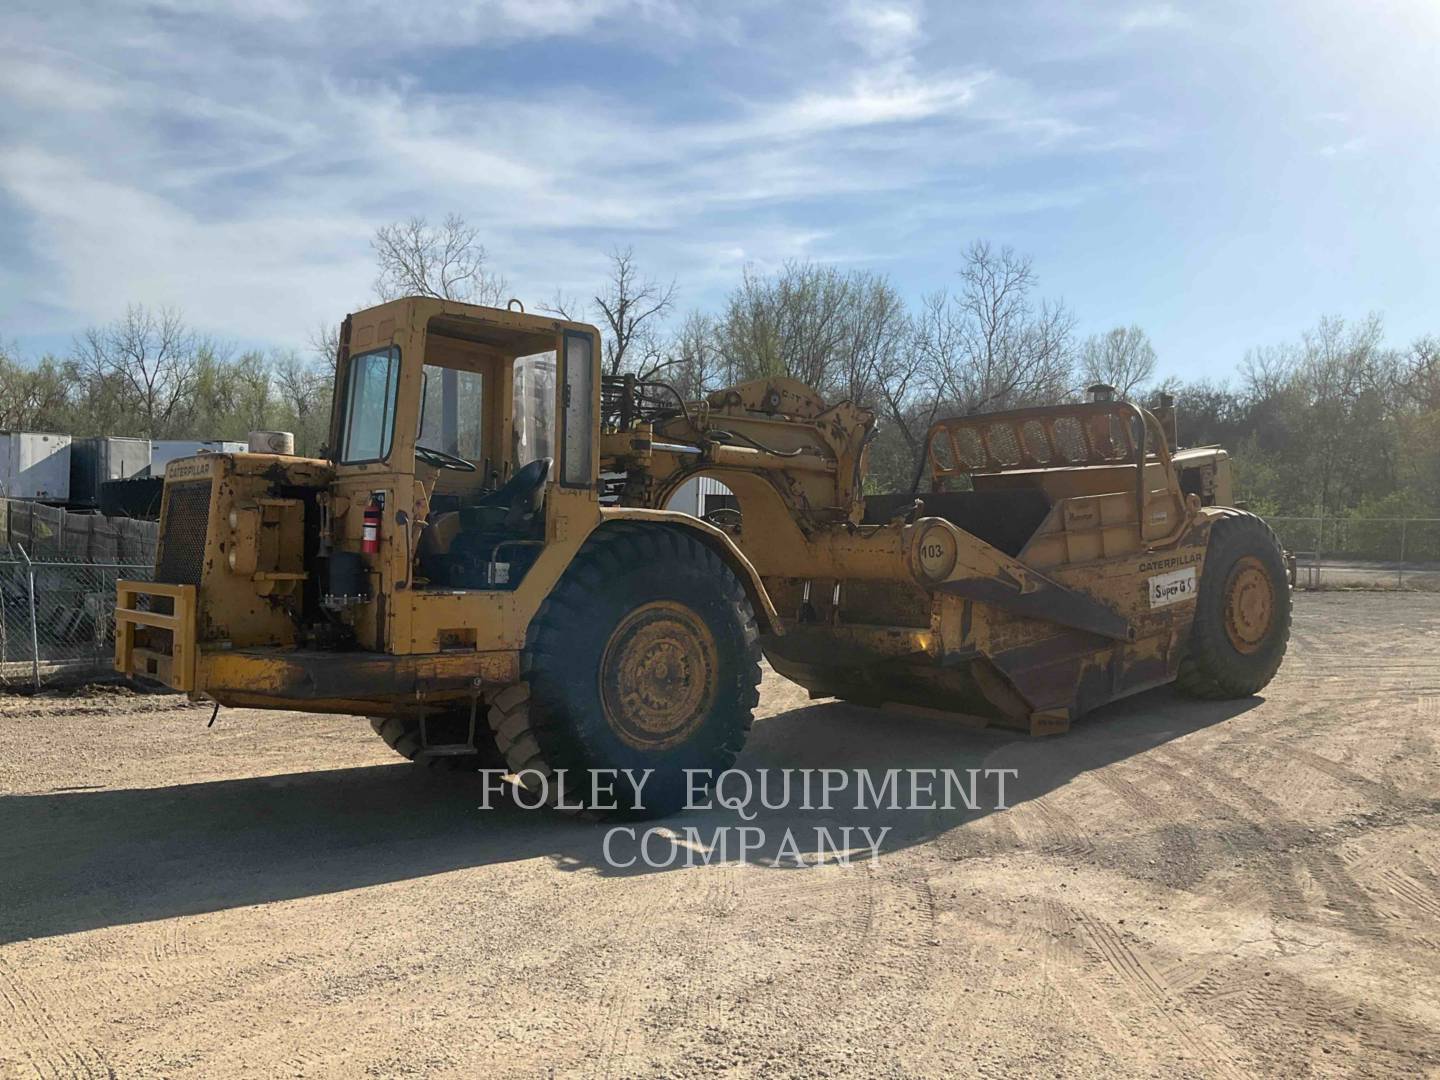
column 1242, row 612
column 645, row 657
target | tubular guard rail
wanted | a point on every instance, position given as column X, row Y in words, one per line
column 1092, row 433
column 175, row 668
column 1060, row 436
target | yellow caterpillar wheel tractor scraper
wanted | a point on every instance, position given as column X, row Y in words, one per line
column 482, row 563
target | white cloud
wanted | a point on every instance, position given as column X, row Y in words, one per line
column 870, row 99
column 236, row 164
column 882, row 29
column 1346, row 148
column 1154, row 17
column 348, row 23
column 60, row 83
column 111, row 244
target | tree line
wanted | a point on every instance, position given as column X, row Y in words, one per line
column 1338, row 421
column 148, row 374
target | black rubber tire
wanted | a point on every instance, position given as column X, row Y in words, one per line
column 555, row 720
column 1212, row 666
column 402, row 734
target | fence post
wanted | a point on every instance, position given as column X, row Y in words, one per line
column 1400, row 571
column 34, row 624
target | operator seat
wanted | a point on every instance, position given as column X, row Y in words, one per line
column 504, row 525
column 521, row 497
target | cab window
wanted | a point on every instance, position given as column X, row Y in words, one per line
column 369, row 429
column 452, row 412
column 576, row 467
column 534, row 408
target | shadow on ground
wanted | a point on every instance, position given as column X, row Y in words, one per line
column 83, row 859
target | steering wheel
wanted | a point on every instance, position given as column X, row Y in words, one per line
column 442, row 460
column 726, row 517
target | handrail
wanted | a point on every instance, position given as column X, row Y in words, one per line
column 1038, row 443
column 179, row 622
column 1131, row 417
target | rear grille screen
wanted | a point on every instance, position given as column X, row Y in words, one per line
column 182, row 534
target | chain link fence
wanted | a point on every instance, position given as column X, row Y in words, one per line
column 1362, row 553
column 57, row 619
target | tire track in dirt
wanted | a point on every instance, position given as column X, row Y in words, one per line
column 1258, row 997
column 1138, row 975
column 1179, row 849
column 1061, row 836
column 1381, row 793
column 170, row 942
column 696, row 1002
column 51, row 1046
column 1199, row 784
column 983, row 837
column 827, row 973
column 1068, row 995
column 622, row 993
column 1345, row 892
column 1037, row 825
column 1408, row 889
column 884, row 967
column 722, row 900
column 1277, row 889
column 1283, row 850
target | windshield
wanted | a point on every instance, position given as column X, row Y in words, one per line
column 370, row 406
column 452, row 412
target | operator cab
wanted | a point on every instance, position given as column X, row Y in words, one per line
column 483, row 446
column 483, row 454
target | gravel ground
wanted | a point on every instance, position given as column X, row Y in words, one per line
column 1178, row 889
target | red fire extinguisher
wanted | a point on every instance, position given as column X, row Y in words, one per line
column 370, row 531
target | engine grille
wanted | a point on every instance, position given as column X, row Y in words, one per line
column 182, row 533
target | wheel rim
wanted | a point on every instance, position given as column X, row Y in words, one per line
column 658, row 675
column 1249, row 605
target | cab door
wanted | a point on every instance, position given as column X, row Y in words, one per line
column 372, row 448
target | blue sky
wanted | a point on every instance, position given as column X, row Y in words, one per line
column 1221, row 174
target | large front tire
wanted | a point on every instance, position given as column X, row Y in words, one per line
column 645, row 658
column 1242, row 613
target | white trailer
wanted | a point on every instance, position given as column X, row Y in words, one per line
column 34, row 465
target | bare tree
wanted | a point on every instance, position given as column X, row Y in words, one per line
column 633, row 306
column 1012, row 351
column 697, row 369
column 831, row 330
column 413, row 258
column 1122, row 358
column 1422, row 375
column 301, row 386
column 324, row 342
column 810, row 304
column 630, row 309
column 446, row 262
column 37, row 398
column 304, row 390
column 875, row 331
column 905, row 376
column 153, row 355
column 991, row 346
